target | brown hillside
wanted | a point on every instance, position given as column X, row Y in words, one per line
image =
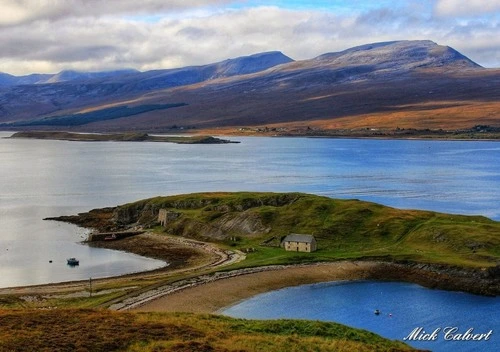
column 407, row 84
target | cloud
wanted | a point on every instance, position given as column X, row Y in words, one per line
column 466, row 7
column 54, row 41
column 14, row 12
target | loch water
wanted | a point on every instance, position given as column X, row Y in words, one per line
column 43, row 178
column 403, row 307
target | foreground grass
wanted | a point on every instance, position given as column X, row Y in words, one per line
column 100, row 330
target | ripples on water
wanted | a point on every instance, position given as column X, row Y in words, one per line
column 51, row 178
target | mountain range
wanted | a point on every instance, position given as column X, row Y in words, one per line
column 407, row 84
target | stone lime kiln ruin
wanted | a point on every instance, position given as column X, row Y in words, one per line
column 165, row 216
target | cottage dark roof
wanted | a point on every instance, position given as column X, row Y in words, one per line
column 296, row 237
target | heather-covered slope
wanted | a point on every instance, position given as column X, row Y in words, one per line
column 100, row 330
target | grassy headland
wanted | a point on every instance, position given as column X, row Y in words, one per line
column 344, row 229
column 434, row 249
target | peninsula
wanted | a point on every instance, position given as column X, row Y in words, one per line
column 439, row 250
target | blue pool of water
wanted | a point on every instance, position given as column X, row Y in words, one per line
column 404, row 307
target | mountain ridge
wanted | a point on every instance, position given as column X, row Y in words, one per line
column 421, row 53
column 333, row 90
column 239, row 65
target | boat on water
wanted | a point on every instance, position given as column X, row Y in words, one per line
column 73, row 261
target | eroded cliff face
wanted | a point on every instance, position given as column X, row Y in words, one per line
column 246, row 223
column 207, row 216
column 477, row 281
column 215, row 219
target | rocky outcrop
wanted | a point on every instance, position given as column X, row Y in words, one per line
column 476, row 281
column 145, row 212
column 248, row 223
column 224, row 218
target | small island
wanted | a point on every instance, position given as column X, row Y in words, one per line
column 119, row 137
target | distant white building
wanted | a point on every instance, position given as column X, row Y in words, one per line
column 299, row 243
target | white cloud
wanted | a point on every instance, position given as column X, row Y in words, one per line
column 20, row 11
column 204, row 36
column 466, row 7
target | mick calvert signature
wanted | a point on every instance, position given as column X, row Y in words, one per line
column 448, row 334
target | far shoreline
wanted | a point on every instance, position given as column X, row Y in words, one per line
column 194, row 136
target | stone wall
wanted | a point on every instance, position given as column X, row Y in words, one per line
column 299, row 246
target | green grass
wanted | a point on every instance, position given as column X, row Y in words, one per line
column 100, row 330
column 344, row 229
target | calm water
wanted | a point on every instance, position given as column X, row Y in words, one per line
column 410, row 306
column 50, row 178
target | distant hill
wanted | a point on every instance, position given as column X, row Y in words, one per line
column 157, row 78
column 63, row 76
column 160, row 79
column 69, row 75
column 398, row 56
column 407, row 84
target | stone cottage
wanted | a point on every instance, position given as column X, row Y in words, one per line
column 299, row 243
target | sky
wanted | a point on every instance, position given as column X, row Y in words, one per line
column 48, row 36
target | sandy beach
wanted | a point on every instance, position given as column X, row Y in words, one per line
column 213, row 296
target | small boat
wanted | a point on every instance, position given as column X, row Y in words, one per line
column 73, row 261
column 376, row 312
